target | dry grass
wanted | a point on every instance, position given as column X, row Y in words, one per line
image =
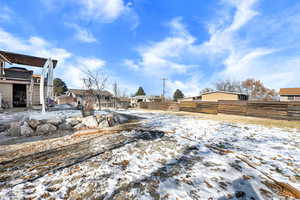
column 284, row 124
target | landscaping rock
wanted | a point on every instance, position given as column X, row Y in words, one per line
column 15, row 129
column 116, row 119
column 110, row 120
column 103, row 124
column 3, row 127
column 90, row 121
column 34, row 123
column 45, row 128
column 100, row 118
column 122, row 119
column 79, row 126
column 26, row 130
column 55, row 122
column 65, row 126
column 72, row 121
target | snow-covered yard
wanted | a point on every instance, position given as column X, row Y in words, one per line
column 184, row 157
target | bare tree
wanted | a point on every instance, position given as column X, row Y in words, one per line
column 97, row 83
column 228, row 86
column 116, row 92
column 256, row 90
column 205, row 90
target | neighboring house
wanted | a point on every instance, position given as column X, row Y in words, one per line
column 134, row 101
column 223, row 95
column 64, row 99
column 195, row 98
column 289, row 94
column 122, row 102
column 80, row 97
column 19, row 87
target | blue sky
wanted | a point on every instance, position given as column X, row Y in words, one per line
column 137, row 42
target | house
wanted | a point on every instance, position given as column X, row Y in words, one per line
column 19, row 87
column 194, row 98
column 64, row 99
column 289, row 94
column 223, row 95
column 134, row 101
column 81, row 96
column 122, row 102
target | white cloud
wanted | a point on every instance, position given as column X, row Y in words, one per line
column 34, row 45
column 105, row 10
column 131, row 64
column 69, row 66
column 90, row 63
column 83, row 34
column 190, row 87
column 161, row 58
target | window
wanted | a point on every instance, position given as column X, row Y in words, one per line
column 291, row 98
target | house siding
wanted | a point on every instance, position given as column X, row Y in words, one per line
column 6, row 91
column 286, row 98
column 219, row 96
column 36, row 94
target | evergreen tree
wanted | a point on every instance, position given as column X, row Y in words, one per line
column 140, row 92
column 178, row 95
column 59, row 87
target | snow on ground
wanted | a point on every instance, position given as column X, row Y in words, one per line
column 177, row 165
column 8, row 117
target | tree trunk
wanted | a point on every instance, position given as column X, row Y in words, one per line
column 99, row 102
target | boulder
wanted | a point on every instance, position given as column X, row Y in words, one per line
column 110, row 120
column 4, row 127
column 34, row 123
column 72, row 121
column 103, row 124
column 65, row 126
column 90, row 121
column 122, row 119
column 79, row 126
column 15, row 129
column 45, row 128
column 100, row 118
column 26, row 130
column 116, row 119
column 55, row 122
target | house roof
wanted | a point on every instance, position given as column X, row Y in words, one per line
column 3, row 58
column 124, row 99
column 225, row 92
column 146, row 97
column 22, row 59
column 83, row 92
column 289, row 91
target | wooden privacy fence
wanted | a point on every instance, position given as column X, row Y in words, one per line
column 264, row 109
column 233, row 107
column 201, row 107
column 275, row 110
column 172, row 106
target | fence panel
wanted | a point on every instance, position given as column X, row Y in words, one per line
column 159, row 106
column 199, row 107
column 268, row 109
column 232, row 107
column 294, row 110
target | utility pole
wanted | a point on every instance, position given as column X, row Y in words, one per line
column 164, row 87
